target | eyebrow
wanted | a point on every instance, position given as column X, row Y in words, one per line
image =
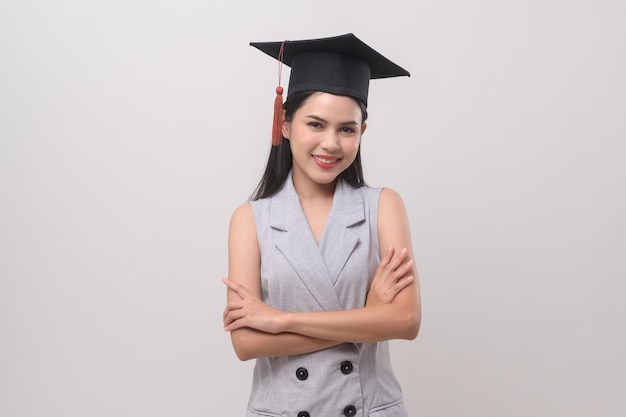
column 319, row 119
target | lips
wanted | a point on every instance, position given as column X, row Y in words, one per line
column 326, row 161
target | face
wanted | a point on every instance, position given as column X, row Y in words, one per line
column 324, row 136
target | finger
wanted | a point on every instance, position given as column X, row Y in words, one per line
column 398, row 259
column 232, row 306
column 234, row 326
column 234, row 315
column 395, row 262
column 238, row 288
column 404, row 269
column 402, row 284
column 398, row 287
column 392, row 277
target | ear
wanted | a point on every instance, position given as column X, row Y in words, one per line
column 285, row 126
column 363, row 128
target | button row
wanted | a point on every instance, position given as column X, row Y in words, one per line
column 346, row 368
column 349, row 411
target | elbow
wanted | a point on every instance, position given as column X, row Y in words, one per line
column 413, row 329
column 411, row 326
column 241, row 345
column 242, row 354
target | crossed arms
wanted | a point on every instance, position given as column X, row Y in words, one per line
column 392, row 309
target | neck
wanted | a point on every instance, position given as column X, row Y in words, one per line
column 310, row 190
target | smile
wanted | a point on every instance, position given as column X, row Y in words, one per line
column 326, row 161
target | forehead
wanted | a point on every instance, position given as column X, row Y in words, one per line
column 330, row 106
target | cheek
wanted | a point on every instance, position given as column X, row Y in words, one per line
column 350, row 150
column 303, row 138
column 354, row 147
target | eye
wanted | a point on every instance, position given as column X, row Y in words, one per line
column 348, row 130
column 315, row 125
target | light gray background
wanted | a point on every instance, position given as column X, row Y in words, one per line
column 130, row 130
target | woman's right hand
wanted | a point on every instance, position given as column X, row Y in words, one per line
column 394, row 273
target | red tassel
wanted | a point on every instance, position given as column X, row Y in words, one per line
column 277, row 135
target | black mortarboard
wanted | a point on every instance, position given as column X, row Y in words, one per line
column 340, row 65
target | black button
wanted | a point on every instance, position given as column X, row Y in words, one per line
column 303, row 414
column 302, row 374
column 349, row 411
column 346, row 367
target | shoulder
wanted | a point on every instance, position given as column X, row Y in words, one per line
column 243, row 211
column 242, row 217
column 390, row 201
column 391, row 211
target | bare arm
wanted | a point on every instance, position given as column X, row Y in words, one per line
column 398, row 319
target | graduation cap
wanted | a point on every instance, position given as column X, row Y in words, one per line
column 340, row 65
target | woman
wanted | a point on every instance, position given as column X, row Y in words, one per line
column 320, row 268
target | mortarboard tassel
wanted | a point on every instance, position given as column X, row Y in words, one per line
column 277, row 135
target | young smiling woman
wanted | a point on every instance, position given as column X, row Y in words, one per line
column 321, row 274
column 324, row 135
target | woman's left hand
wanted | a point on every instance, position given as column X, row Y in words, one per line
column 251, row 312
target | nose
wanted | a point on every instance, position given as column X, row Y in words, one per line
column 331, row 141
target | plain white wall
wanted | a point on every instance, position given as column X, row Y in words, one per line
column 130, row 130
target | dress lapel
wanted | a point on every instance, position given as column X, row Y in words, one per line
column 338, row 241
column 295, row 241
column 318, row 267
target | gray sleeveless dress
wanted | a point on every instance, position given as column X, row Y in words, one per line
column 351, row 379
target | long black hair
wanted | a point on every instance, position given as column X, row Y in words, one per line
column 280, row 159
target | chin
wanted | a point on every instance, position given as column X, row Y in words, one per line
column 326, row 179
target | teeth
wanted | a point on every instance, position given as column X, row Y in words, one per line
column 325, row 161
